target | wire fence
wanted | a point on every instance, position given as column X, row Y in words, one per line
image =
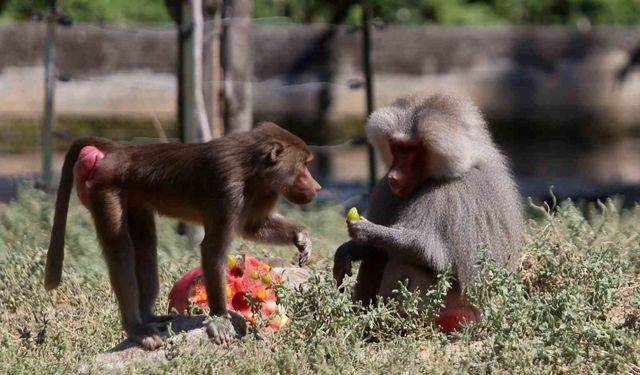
column 135, row 102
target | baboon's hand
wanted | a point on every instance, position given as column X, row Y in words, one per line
column 303, row 243
column 361, row 231
column 220, row 330
column 341, row 264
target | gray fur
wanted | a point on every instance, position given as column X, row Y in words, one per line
column 469, row 200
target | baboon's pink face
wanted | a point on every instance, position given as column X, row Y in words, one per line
column 408, row 167
column 304, row 188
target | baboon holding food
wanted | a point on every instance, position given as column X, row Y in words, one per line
column 448, row 192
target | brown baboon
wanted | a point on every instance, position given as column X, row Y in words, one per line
column 230, row 185
column 448, row 191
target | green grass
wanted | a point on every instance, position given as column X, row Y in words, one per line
column 573, row 306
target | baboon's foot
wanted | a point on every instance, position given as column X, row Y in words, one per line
column 145, row 335
column 220, row 330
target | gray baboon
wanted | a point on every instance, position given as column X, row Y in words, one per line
column 448, row 191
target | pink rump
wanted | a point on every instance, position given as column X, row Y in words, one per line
column 84, row 170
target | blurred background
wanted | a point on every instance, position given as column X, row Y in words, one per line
column 558, row 80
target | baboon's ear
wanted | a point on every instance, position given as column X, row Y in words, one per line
column 275, row 151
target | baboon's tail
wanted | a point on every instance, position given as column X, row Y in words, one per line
column 55, row 255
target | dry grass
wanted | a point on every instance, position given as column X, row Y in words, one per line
column 572, row 308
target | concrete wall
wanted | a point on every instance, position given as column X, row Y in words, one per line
column 550, row 75
column 542, row 88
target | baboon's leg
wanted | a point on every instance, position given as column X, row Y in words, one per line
column 369, row 277
column 109, row 211
column 142, row 229
column 214, row 248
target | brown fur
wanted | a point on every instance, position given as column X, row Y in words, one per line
column 230, row 185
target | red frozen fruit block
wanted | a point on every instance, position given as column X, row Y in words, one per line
column 247, row 278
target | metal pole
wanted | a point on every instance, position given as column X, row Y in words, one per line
column 49, row 77
column 366, row 61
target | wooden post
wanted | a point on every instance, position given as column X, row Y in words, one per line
column 212, row 70
column 49, row 77
column 366, row 61
column 194, row 123
column 200, row 111
column 237, row 64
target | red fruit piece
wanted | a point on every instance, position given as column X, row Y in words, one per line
column 452, row 319
column 182, row 290
column 236, row 272
column 239, row 302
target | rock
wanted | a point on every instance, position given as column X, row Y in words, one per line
column 186, row 331
column 292, row 277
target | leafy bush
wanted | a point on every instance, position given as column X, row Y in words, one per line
column 450, row 12
column 110, row 11
column 573, row 306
